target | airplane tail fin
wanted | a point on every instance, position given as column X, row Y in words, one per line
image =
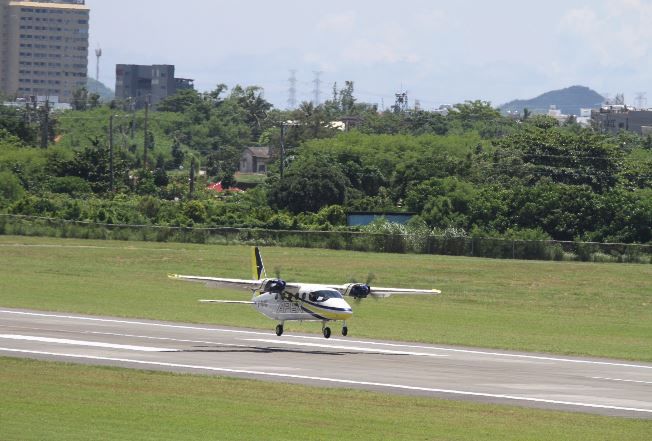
column 257, row 266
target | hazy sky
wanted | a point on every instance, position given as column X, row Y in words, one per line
column 439, row 51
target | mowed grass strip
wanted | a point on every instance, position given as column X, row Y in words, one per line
column 53, row 401
column 600, row 310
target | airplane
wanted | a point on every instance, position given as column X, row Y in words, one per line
column 282, row 301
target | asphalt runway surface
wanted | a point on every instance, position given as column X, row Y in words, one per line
column 606, row 387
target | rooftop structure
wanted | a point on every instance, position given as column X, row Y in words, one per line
column 43, row 48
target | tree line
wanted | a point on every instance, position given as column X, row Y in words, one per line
column 471, row 170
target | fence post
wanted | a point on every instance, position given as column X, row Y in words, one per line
column 513, row 249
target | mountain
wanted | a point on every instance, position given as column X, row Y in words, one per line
column 569, row 101
column 104, row 92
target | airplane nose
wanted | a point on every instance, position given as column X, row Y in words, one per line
column 347, row 308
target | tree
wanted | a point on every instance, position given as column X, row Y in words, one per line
column 10, row 187
column 310, row 184
column 181, row 102
column 254, row 106
column 80, row 99
column 471, row 113
column 161, row 178
column 177, row 154
column 16, row 122
column 347, row 100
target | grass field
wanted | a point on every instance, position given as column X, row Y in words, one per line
column 64, row 402
column 567, row 308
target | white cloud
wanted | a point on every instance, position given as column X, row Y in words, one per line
column 616, row 32
column 372, row 52
column 343, row 22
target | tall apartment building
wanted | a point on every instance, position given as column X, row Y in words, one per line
column 43, row 48
column 140, row 84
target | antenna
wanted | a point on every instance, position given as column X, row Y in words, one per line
column 292, row 91
column 317, row 91
column 98, row 54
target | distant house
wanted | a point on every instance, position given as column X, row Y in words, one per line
column 255, row 160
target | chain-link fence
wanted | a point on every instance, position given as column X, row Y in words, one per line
column 338, row 240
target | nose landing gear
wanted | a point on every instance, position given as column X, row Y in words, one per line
column 326, row 330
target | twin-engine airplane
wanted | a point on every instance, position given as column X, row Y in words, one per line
column 283, row 301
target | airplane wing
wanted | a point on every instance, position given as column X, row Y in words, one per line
column 227, row 302
column 387, row 292
column 379, row 293
column 215, row 282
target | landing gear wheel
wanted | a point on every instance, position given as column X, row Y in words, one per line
column 327, row 332
column 345, row 331
column 279, row 330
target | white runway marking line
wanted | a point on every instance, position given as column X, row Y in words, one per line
column 92, row 344
column 621, row 380
column 349, row 348
column 331, row 380
column 395, row 345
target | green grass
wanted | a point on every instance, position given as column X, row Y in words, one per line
column 556, row 307
column 65, row 402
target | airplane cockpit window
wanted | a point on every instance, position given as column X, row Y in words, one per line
column 322, row 296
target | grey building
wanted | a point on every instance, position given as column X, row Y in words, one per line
column 138, row 83
column 613, row 119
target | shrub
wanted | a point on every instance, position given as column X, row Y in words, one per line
column 71, row 185
column 10, row 187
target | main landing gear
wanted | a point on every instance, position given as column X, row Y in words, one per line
column 279, row 329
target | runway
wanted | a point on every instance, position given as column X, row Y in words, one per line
column 606, row 387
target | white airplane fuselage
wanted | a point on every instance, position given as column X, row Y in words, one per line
column 307, row 303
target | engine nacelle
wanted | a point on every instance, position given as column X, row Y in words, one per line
column 274, row 286
column 358, row 291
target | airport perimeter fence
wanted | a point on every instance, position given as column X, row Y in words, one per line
column 417, row 243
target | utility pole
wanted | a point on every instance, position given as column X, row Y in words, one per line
column 146, row 132
column 282, row 149
column 283, row 152
column 45, row 125
column 192, row 178
column 111, row 186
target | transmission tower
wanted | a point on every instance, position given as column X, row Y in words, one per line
column 98, row 54
column 292, row 91
column 317, row 91
column 641, row 100
column 401, row 104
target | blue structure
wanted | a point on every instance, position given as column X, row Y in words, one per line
column 365, row 218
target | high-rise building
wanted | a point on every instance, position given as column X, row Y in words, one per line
column 43, row 48
column 140, row 84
